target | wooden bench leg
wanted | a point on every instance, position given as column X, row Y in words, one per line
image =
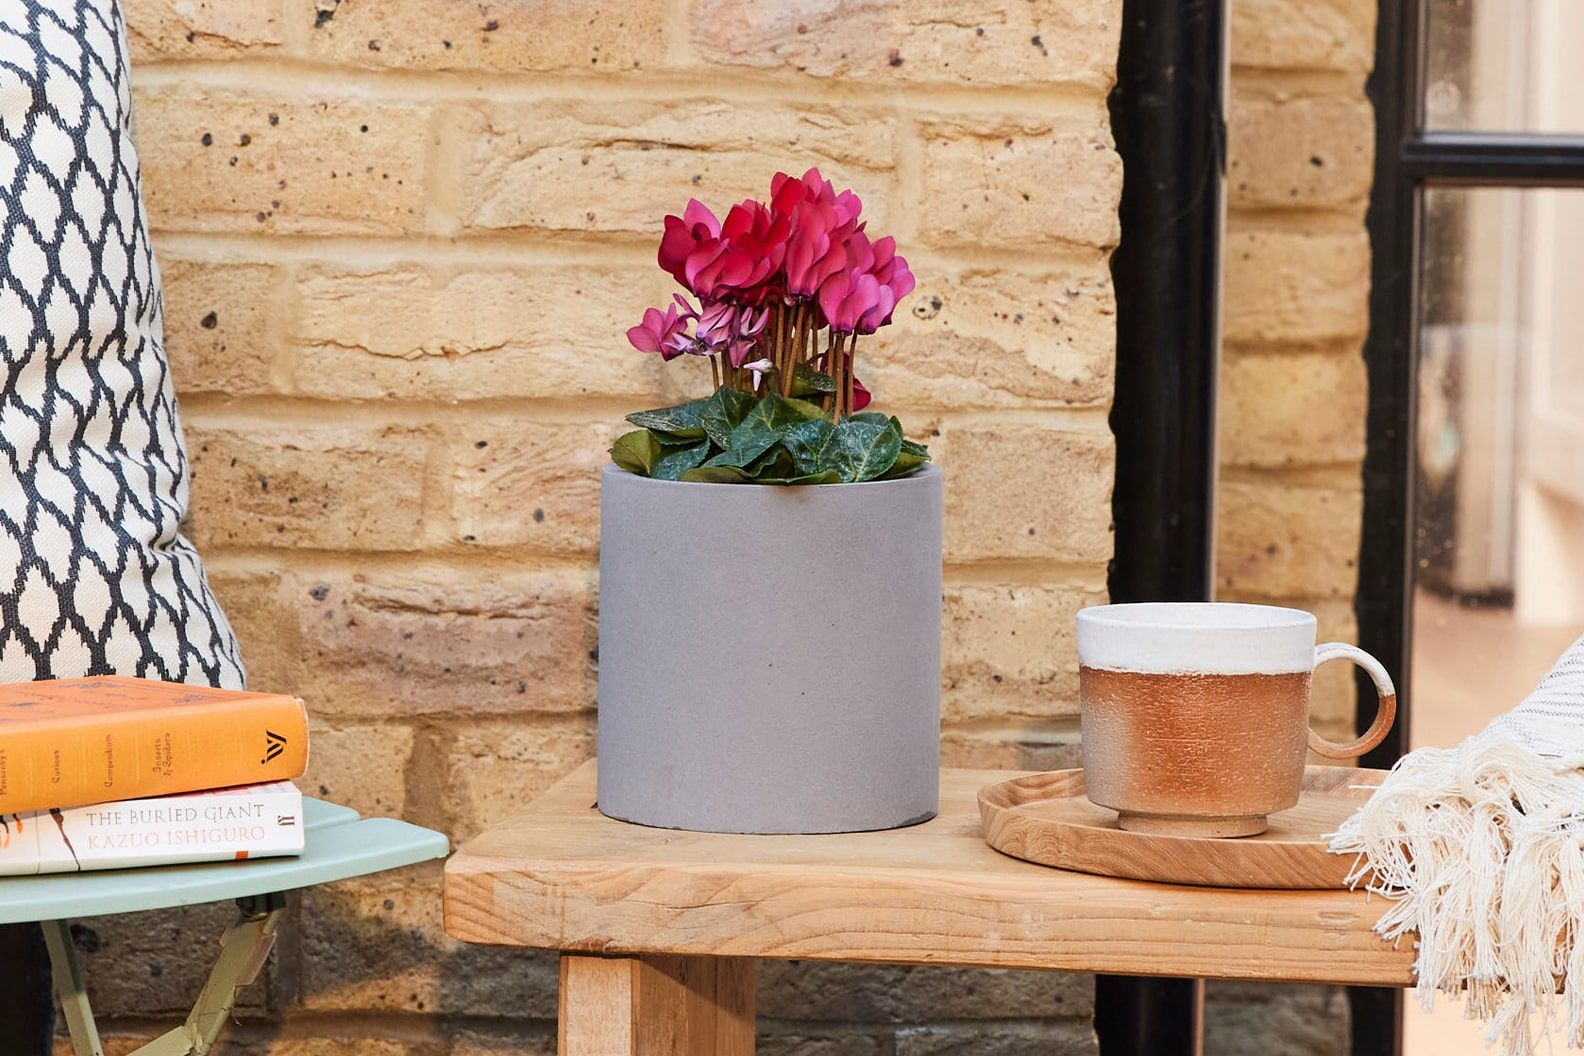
column 656, row 1006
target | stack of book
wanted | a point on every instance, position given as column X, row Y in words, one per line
column 112, row 772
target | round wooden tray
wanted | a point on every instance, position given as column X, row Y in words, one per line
column 1045, row 818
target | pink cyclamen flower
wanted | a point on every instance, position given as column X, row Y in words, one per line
column 759, row 367
column 892, row 271
column 758, row 236
column 729, row 329
column 846, row 297
column 787, row 194
column 820, row 224
column 659, row 332
column 717, row 326
column 749, row 327
column 715, row 259
column 694, row 234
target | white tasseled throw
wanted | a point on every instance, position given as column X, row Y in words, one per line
column 1481, row 847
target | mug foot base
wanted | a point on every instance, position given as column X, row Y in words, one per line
column 1195, row 827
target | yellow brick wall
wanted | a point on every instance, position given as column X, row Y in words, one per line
column 402, row 240
column 1293, row 387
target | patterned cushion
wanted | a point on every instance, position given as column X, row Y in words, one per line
column 95, row 576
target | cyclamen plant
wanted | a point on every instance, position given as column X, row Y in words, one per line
column 784, row 291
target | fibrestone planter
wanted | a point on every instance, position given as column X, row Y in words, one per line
column 770, row 656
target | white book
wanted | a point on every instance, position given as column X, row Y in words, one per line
column 251, row 821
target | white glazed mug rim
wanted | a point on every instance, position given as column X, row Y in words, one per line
column 1239, row 615
column 1197, row 638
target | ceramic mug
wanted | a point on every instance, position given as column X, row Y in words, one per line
column 1196, row 714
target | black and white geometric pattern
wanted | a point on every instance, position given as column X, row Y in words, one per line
column 95, row 577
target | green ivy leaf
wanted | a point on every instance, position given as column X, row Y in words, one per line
column 747, row 442
column 807, row 381
column 636, row 452
column 723, row 412
column 775, row 463
column 830, row 476
column 672, row 464
column 812, row 445
column 716, row 475
column 774, row 413
column 685, row 421
column 806, row 410
column 909, row 459
column 866, row 449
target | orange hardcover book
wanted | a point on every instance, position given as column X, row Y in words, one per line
column 80, row 741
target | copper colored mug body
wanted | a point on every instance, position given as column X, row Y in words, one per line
column 1196, row 715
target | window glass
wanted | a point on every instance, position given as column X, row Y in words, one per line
column 1498, row 475
column 1503, row 66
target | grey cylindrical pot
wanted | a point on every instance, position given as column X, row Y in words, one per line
column 770, row 656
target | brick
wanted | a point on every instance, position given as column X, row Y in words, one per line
column 363, row 767
column 836, row 1041
column 1025, row 745
column 541, row 332
column 1255, row 1019
column 1010, row 651
column 1023, row 1039
column 222, row 326
column 1291, row 409
column 333, row 1046
column 282, row 166
column 497, row 768
column 528, row 483
column 378, row 944
column 181, row 30
column 1299, row 150
column 304, row 486
column 344, row 1043
column 443, row 643
column 599, row 37
column 572, row 165
column 997, row 339
column 149, row 964
column 262, row 612
column 1304, row 35
column 121, row 1039
column 1017, row 491
column 1019, row 183
column 850, row 993
column 966, row 42
column 1296, row 286
column 1282, row 539
column 510, row 1040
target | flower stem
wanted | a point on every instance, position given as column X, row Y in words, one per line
column 715, row 370
column 847, row 372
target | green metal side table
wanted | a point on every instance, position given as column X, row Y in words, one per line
column 339, row 845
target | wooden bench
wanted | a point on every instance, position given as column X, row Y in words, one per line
column 659, row 929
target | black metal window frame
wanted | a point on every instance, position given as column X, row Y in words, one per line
column 1408, row 158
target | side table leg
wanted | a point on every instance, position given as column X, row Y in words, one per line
column 243, row 950
column 69, row 988
column 656, row 1006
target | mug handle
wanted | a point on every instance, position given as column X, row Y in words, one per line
column 1385, row 713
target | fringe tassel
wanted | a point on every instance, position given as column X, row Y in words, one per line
column 1479, row 849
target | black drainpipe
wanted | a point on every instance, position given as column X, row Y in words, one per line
column 1168, row 117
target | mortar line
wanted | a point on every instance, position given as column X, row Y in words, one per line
column 218, row 411
column 526, row 249
column 302, row 78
